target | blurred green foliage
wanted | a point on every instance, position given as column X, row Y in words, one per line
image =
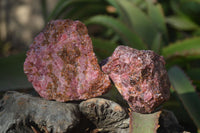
column 170, row 28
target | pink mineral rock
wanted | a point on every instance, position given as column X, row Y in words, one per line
column 140, row 76
column 61, row 63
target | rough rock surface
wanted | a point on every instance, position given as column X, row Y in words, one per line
column 140, row 76
column 106, row 115
column 23, row 113
column 61, row 63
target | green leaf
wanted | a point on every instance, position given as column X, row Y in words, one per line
column 144, row 123
column 157, row 16
column 128, row 37
column 175, row 5
column 65, row 4
column 103, row 48
column 43, row 4
column 175, row 105
column 60, row 6
column 186, row 93
column 177, row 60
column 157, row 43
column 196, row 1
column 137, row 2
column 82, row 12
column 181, row 23
column 189, row 48
column 140, row 22
column 122, row 15
column 194, row 73
column 11, row 73
column 114, row 4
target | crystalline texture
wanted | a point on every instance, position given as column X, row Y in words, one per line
column 61, row 64
column 140, row 76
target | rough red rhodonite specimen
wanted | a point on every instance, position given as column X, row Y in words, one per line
column 61, row 63
column 140, row 76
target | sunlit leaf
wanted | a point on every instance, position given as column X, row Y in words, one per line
column 188, row 47
column 186, row 93
column 144, row 123
column 196, row 1
column 181, row 23
column 128, row 37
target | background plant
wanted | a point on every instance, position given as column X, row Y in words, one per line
column 170, row 28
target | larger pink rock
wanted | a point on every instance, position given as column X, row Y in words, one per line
column 61, row 64
column 140, row 76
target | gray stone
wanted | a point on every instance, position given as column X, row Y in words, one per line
column 24, row 113
column 110, row 117
column 106, row 115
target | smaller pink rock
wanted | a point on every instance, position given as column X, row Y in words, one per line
column 61, row 63
column 140, row 76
